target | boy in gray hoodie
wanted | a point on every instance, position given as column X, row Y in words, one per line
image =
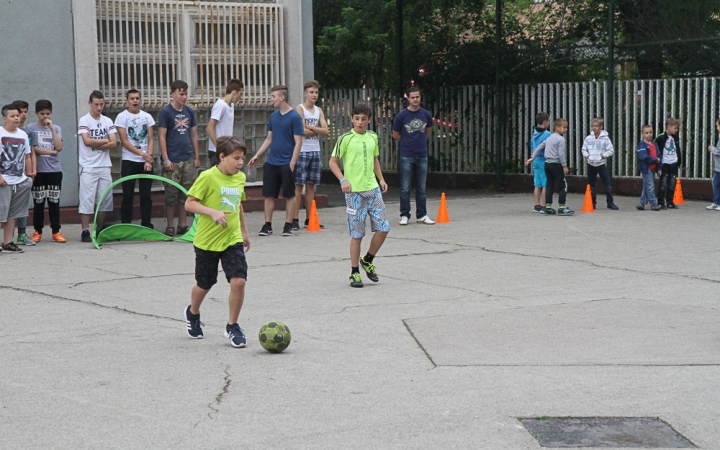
column 555, row 168
column 596, row 149
column 716, row 173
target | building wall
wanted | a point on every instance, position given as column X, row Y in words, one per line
column 37, row 63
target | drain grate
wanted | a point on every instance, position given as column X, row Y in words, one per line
column 604, row 432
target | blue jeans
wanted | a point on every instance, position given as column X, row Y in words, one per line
column 648, row 190
column 413, row 166
column 716, row 188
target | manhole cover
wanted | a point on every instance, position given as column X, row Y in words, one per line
column 605, row 432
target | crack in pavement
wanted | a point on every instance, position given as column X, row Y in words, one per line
column 417, row 341
column 221, row 394
column 396, row 304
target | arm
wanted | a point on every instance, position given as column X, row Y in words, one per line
column 263, row 148
column 131, row 148
column 57, row 139
column 715, row 150
column 194, row 206
column 378, row 173
column 162, row 137
column 585, row 151
column 93, row 143
column 561, row 155
column 308, row 131
column 428, row 132
column 537, row 151
column 396, row 135
column 33, row 163
column 112, row 143
column 296, row 151
column 335, row 168
column 679, row 152
column 42, row 151
column 29, row 167
column 244, row 229
column 321, row 130
column 210, row 128
column 195, row 144
column 609, row 149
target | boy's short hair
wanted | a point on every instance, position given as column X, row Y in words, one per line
column 96, row 95
column 311, row 83
column 559, row 122
column 412, row 89
column 282, row 89
column 646, row 126
column 227, row 145
column 234, row 85
column 177, row 85
column 541, row 118
column 21, row 104
column 671, row 122
column 599, row 120
column 132, row 91
column 717, row 122
column 42, row 105
column 10, row 107
column 361, row 108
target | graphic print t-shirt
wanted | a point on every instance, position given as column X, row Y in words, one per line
column 412, row 125
column 136, row 128
column 669, row 155
column 225, row 116
column 178, row 124
column 42, row 137
column 12, row 160
column 358, row 152
column 311, row 143
column 97, row 129
column 223, row 192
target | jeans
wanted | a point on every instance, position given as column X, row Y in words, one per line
column 716, row 188
column 554, row 172
column 592, row 173
column 648, row 189
column 128, row 188
column 413, row 166
column 668, row 180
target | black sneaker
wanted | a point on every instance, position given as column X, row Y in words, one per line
column 296, row 224
column 537, row 208
column 640, row 207
column 10, row 247
column 194, row 326
column 565, row 212
column 85, row 236
column 236, row 335
column 613, row 206
column 672, row 206
column 265, row 230
column 369, row 270
column 287, row 230
column 307, row 222
column 548, row 211
column 356, row 280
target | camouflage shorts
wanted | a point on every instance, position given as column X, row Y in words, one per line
column 185, row 174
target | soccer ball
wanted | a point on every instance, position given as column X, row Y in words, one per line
column 274, row 336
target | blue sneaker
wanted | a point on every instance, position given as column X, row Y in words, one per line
column 656, row 207
column 236, row 335
column 194, row 326
column 613, row 206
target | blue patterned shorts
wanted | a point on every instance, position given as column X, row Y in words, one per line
column 308, row 168
column 361, row 204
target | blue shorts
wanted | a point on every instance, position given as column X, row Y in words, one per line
column 539, row 171
column 361, row 204
column 308, row 168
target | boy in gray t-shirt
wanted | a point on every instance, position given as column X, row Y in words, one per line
column 555, row 168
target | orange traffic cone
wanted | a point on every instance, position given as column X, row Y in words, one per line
column 442, row 215
column 587, row 203
column 314, row 221
column 678, row 198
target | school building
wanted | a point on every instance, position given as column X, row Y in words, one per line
column 61, row 50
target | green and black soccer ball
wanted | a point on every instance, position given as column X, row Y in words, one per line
column 274, row 336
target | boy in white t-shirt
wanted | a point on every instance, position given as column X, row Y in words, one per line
column 309, row 166
column 222, row 117
column 135, row 129
column 15, row 185
column 97, row 137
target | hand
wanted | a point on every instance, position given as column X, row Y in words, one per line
column 292, row 166
column 246, row 244
column 55, row 152
column 383, row 186
column 602, row 156
column 148, row 167
column 252, row 162
column 346, row 188
column 219, row 217
column 2, row 181
column 529, row 161
column 48, row 123
column 147, row 158
column 659, row 172
column 169, row 166
column 33, row 174
column 197, row 162
column 710, row 147
column 565, row 170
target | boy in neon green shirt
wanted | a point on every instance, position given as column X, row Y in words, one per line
column 358, row 149
column 221, row 236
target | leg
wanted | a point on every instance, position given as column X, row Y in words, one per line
column 269, row 208
column 649, row 180
column 421, row 166
column 537, row 193
column 662, row 188
column 21, row 223
column 288, row 190
column 39, row 189
column 550, row 184
column 607, row 184
column 9, row 229
column 377, row 241
column 128, row 189
column 354, row 251
column 643, row 195
column 290, row 205
column 562, row 187
column 188, row 175
column 406, row 166
column 592, row 173
column 182, row 215
column 309, row 197
column 272, row 182
column 170, row 215
column 716, row 188
column 298, row 194
column 671, row 183
column 146, row 202
column 236, row 299
column 197, row 296
column 234, row 265
column 85, row 221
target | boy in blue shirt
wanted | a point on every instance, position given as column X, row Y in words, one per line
column 540, row 133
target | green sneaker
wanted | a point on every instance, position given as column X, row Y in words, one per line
column 24, row 239
column 369, row 270
column 356, row 280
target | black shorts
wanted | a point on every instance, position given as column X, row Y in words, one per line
column 206, row 265
column 275, row 176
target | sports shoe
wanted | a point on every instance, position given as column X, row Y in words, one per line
column 36, row 237
column 426, row 220
column 672, row 206
column 403, row 220
column 85, row 236
column 711, row 207
column 10, row 247
column 58, row 237
column 613, row 206
column 640, row 207
column 236, row 335
column 295, row 224
column 181, row 230
column 24, row 239
column 356, row 280
column 369, row 270
column 548, row 211
column 194, row 326
column 717, row 208
column 537, row 208
column 307, row 222
column 287, row 230
column 565, row 212
column 655, row 207
column 265, row 230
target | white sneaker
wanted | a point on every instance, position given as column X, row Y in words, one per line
column 711, row 207
column 426, row 220
column 717, row 208
column 403, row 220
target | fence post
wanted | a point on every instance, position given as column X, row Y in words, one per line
column 610, row 94
column 498, row 97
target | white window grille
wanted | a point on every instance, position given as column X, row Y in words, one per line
column 146, row 44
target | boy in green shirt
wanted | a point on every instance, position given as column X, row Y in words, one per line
column 221, row 236
column 358, row 149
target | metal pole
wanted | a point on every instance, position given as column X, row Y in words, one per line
column 610, row 94
column 498, row 97
column 399, row 32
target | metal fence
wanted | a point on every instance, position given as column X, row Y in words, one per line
column 146, row 44
column 463, row 140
